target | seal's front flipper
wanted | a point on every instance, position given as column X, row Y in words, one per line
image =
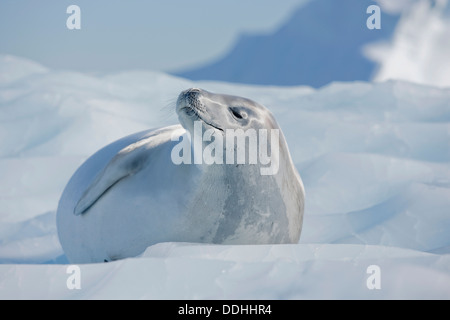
column 127, row 162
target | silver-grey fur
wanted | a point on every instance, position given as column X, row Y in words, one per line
column 130, row 195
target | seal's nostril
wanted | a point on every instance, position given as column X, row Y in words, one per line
column 193, row 91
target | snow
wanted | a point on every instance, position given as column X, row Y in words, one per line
column 186, row 271
column 420, row 46
column 374, row 159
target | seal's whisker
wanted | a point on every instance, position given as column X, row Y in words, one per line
column 168, row 111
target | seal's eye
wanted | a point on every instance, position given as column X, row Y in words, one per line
column 238, row 114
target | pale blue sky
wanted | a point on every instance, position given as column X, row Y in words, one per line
column 134, row 34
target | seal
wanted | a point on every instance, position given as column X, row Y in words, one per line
column 149, row 187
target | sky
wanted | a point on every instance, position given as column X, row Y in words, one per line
column 118, row 35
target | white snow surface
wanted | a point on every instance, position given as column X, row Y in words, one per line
column 420, row 48
column 374, row 159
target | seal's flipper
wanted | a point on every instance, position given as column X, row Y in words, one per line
column 127, row 162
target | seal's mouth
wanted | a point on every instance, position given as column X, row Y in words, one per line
column 189, row 104
column 191, row 111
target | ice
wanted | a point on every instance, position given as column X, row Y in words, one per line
column 374, row 158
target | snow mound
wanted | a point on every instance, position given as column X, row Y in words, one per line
column 187, row 271
column 374, row 159
column 13, row 69
column 420, row 46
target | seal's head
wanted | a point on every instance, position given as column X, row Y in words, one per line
column 221, row 111
column 232, row 119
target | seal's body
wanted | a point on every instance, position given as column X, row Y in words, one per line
column 132, row 194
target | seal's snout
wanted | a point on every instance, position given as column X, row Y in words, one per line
column 189, row 99
column 192, row 97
